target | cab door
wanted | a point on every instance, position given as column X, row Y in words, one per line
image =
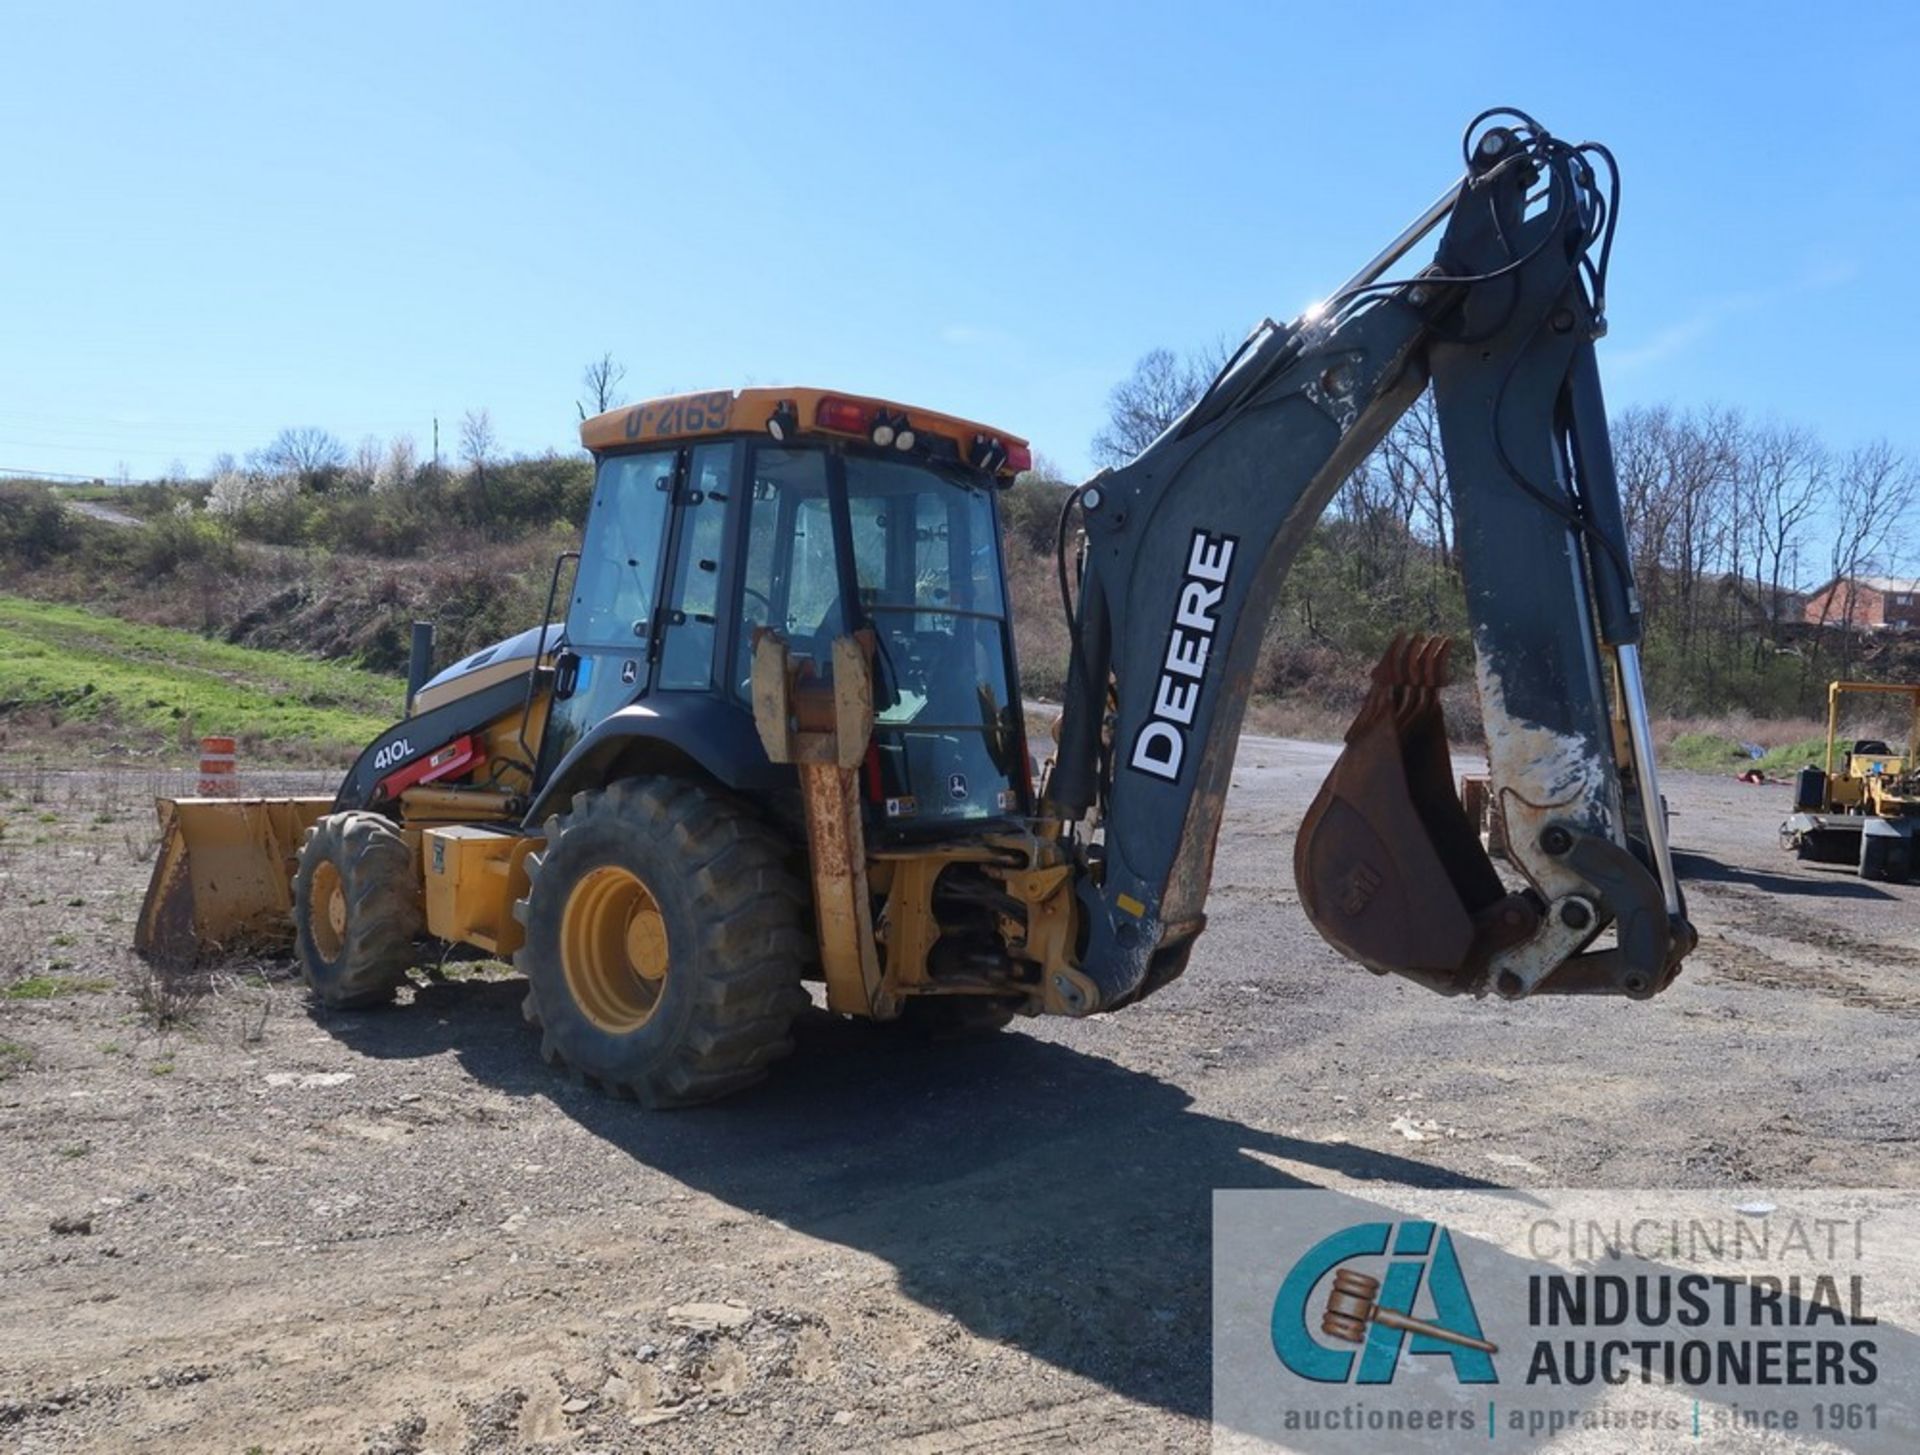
column 613, row 618
column 697, row 574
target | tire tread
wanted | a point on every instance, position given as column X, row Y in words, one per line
column 750, row 952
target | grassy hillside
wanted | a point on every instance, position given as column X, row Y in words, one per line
column 282, row 619
column 158, row 686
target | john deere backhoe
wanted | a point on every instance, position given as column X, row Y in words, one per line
column 778, row 737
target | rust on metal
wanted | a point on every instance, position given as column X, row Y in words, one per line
column 1390, row 869
column 821, row 724
column 842, row 903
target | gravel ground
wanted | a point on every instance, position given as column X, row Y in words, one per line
column 292, row 1230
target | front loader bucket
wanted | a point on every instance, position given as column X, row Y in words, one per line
column 223, row 876
column 1389, row 869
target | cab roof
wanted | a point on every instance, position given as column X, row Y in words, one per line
column 793, row 413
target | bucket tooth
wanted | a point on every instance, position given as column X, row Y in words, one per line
column 1389, row 869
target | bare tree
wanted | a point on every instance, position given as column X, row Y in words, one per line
column 1785, row 478
column 307, row 451
column 1162, row 387
column 401, row 463
column 1414, row 443
column 1638, row 451
column 1874, row 489
column 477, row 440
column 477, row 444
column 365, row 467
column 1690, row 465
column 602, row 379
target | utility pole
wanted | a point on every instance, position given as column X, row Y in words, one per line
column 436, row 444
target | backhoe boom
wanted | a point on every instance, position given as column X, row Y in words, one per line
column 1186, row 550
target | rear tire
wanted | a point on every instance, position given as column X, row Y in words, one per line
column 664, row 947
column 356, row 910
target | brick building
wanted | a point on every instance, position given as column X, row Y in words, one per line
column 1871, row 603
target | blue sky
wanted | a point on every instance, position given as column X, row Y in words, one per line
column 224, row 221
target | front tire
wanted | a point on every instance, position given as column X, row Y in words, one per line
column 356, row 910
column 664, row 946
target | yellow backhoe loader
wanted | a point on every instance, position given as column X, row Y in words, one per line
column 775, row 733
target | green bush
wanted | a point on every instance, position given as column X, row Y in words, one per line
column 506, row 501
column 531, row 494
column 387, row 524
column 34, row 526
column 174, row 543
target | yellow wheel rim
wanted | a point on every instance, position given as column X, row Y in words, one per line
column 613, row 948
column 328, row 910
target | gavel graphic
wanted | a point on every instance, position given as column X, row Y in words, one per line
column 1353, row 1305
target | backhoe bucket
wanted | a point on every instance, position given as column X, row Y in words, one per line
column 223, row 877
column 1389, row 869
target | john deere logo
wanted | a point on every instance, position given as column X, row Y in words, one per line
column 1375, row 1312
column 1357, row 893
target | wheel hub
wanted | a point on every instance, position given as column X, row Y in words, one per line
column 613, row 948
column 330, row 899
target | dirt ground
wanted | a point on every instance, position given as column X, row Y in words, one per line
column 289, row 1230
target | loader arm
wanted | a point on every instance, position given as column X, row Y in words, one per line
column 1186, row 548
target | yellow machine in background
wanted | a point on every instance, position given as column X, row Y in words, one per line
column 1863, row 807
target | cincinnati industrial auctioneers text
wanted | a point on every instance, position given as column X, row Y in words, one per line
column 1614, row 1328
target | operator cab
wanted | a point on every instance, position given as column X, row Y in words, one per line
column 817, row 516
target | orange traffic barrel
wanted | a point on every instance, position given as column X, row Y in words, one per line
column 218, row 769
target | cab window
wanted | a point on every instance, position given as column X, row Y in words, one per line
column 921, row 538
column 613, row 591
column 789, row 578
column 928, row 570
column 927, row 565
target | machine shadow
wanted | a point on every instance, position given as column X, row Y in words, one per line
column 1695, row 866
column 1043, row 1197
